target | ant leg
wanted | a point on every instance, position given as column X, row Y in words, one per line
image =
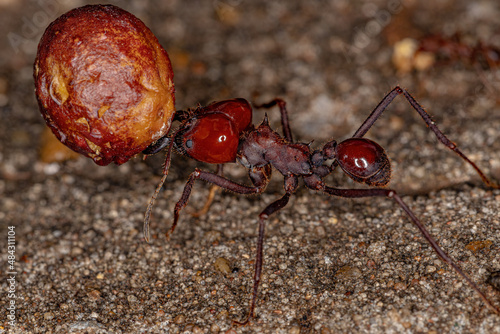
column 291, row 185
column 284, row 116
column 264, row 215
column 211, row 194
column 375, row 114
column 377, row 192
column 368, row 123
column 259, row 176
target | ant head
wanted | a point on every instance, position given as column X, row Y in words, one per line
column 212, row 133
column 211, row 138
column 364, row 161
column 237, row 110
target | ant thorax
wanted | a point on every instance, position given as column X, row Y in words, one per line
column 264, row 146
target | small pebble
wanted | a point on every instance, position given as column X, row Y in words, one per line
column 222, row 265
column 179, row 319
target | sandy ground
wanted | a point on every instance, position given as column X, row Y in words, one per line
column 331, row 265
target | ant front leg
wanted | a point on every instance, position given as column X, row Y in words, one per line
column 368, row 123
column 211, row 194
column 259, row 176
column 378, row 192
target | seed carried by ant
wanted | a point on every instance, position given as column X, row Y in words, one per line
column 99, row 95
column 261, row 149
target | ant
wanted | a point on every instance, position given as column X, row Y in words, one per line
column 222, row 132
column 454, row 49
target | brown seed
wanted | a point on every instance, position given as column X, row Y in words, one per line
column 104, row 84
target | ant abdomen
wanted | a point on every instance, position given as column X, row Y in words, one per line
column 364, row 161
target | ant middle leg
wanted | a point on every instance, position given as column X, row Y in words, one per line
column 264, row 215
column 379, row 192
column 291, row 185
column 375, row 114
column 260, row 178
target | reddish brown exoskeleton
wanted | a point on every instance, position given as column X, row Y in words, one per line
column 222, row 133
column 454, row 49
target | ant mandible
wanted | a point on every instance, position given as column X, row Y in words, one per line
column 222, row 132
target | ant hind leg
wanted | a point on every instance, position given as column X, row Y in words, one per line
column 381, row 107
column 379, row 192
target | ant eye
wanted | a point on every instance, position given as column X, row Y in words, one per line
column 364, row 161
column 212, row 138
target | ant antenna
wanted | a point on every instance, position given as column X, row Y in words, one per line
column 166, row 167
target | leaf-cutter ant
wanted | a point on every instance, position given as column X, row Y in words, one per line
column 222, row 132
column 453, row 49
